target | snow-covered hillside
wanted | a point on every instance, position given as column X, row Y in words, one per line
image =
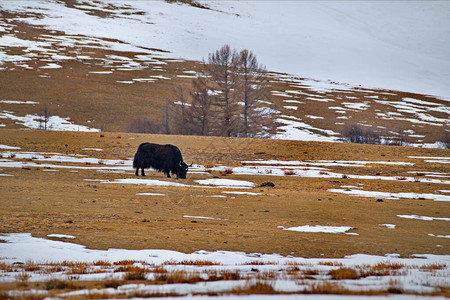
column 399, row 45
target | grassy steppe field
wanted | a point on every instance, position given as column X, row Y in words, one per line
column 47, row 197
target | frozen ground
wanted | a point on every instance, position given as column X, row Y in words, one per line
column 420, row 274
column 53, row 123
column 394, row 45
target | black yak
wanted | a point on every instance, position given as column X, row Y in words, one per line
column 165, row 158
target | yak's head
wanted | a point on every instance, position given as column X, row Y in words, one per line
column 182, row 169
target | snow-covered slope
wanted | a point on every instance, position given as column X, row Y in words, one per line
column 399, row 45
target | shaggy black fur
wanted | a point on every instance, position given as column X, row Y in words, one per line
column 165, row 158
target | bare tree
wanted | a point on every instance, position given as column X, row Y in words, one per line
column 44, row 117
column 221, row 69
column 201, row 110
column 256, row 113
column 178, row 109
column 167, row 118
column 229, row 98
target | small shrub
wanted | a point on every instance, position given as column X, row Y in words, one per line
column 289, row 172
column 228, row 171
column 57, row 284
column 360, row 135
column 22, row 278
column 31, row 267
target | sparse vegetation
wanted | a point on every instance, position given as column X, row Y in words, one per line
column 367, row 135
column 258, row 282
column 358, row 134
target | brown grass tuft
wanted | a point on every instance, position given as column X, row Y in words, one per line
column 433, row 267
column 22, row 279
column 229, row 275
column 198, row 263
column 131, row 269
column 135, row 275
column 380, row 269
column 257, row 288
column 125, row 262
column 331, row 264
column 344, row 273
column 178, row 277
column 102, row 263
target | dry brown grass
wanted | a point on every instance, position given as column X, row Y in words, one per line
column 131, row 269
column 135, row 275
column 331, row 263
column 380, row 269
column 125, row 262
column 102, row 263
column 98, row 216
column 256, row 288
column 344, row 273
column 192, row 263
column 260, row 263
column 76, row 267
column 178, row 277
